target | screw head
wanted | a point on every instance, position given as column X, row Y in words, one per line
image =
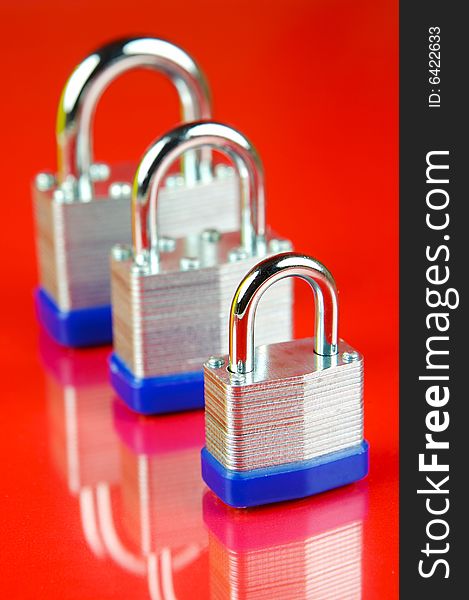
column 215, row 362
column 121, row 252
column 173, row 181
column 210, row 235
column 189, row 263
column 167, row 244
column 139, row 269
column 278, row 245
column 99, row 172
column 223, row 171
column 120, row 189
column 237, row 378
column 237, row 254
column 45, row 181
column 59, row 196
column 349, row 357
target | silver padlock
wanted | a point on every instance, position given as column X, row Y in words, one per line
column 284, row 421
column 85, row 209
column 170, row 309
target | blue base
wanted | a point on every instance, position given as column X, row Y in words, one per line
column 157, row 395
column 78, row 328
column 242, row 489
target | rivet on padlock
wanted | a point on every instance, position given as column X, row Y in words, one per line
column 85, row 209
column 285, row 421
column 170, row 310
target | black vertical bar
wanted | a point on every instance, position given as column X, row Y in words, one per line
column 433, row 261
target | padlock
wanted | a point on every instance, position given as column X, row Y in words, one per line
column 169, row 310
column 310, row 548
column 85, row 209
column 284, row 421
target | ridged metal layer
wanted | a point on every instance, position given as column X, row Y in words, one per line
column 294, row 406
column 74, row 238
column 170, row 322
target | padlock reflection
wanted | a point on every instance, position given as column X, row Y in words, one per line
column 82, row 440
column 308, row 549
column 157, row 521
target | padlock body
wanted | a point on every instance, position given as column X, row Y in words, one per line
column 291, row 428
column 170, row 322
column 74, row 240
column 73, row 244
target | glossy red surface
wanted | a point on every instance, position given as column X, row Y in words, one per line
column 98, row 503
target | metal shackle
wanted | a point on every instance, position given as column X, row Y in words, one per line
column 158, row 159
column 253, row 286
column 93, row 75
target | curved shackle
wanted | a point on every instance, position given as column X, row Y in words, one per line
column 92, row 76
column 155, row 164
column 257, row 281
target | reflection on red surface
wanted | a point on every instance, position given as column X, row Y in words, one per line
column 82, row 440
column 137, row 480
column 310, row 548
column 143, row 504
column 314, row 84
column 162, row 498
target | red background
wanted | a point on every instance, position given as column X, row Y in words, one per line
column 314, row 86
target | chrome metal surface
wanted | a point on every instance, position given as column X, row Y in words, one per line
column 89, row 80
column 295, row 405
column 253, row 286
column 159, row 158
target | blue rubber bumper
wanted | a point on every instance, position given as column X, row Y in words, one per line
column 78, row 328
column 157, row 395
column 242, row 489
